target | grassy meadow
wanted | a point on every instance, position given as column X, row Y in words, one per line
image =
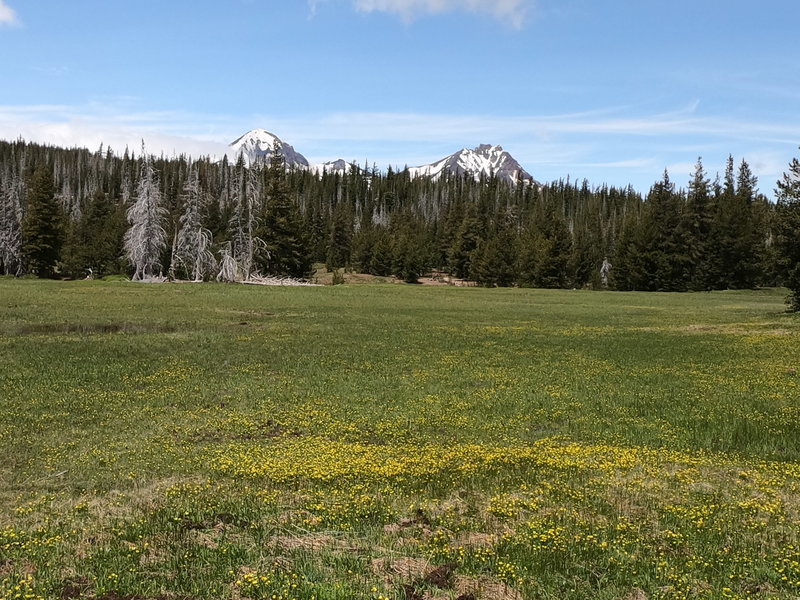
column 396, row 442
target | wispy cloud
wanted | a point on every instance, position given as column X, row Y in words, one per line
column 513, row 12
column 7, row 14
column 617, row 145
column 548, row 128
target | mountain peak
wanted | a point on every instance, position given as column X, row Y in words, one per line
column 260, row 144
column 484, row 160
column 255, row 134
column 332, row 167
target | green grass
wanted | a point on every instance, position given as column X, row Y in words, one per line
column 219, row 441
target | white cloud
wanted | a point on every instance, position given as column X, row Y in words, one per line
column 513, row 12
column 608, row 145
column 94, row 124
column 548, row 129
column 7, row 14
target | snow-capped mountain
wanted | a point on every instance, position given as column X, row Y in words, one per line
column 261, row 143
column 340, row 166
column 483, row 160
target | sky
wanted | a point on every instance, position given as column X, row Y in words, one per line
column 612, row 91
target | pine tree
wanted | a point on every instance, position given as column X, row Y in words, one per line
column 93, row 243
column 629, row 273
column 764, row 219
column 100, row 235
column 734, row 235
column 315, row 228
column 587, row 256
column 381, row 259
column 363, row 243
column 465, row 241
column 527, row 251
column 408, row 247
column 408, row 262
column 42, row 227
column 146, row 238
column 696, row 228
column 723, row 231
column 749, row 248
column 552, row 269
column 340, row 238
column 665, row 262
column 788, row 231
column 495, row 259
column 281, row 228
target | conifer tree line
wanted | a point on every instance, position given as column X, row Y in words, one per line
column 71, row 212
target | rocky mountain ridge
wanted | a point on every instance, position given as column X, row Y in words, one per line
column 484, row 160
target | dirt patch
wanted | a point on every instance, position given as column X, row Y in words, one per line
column 419, row 520
column 11, row 567
column 297, row 516
column 441, row 577
column 451, row 281
column 324, row 277
column 763, row 587
column 311, row 542
column 405, row 568
column 414, row 576
column 6, row 567
column 485, row 588
column 77, row 587
column 410, row 592
column 636, row 594
column 204, row 539
column 393, row 528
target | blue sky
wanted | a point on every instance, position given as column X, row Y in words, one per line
column 613, row 91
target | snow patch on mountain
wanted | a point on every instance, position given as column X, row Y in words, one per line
column 332, row 167
column 260, row 144
column 485, row 160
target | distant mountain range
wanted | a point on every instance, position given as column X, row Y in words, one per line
column 485, row 160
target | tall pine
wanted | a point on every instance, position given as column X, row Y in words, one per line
column 666, row 263
column 281, row 226
column 696, row 228
column 42, row 227
column 788, row 231
column 733, row 256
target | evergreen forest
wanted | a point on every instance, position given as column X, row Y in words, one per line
column 75, row 213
